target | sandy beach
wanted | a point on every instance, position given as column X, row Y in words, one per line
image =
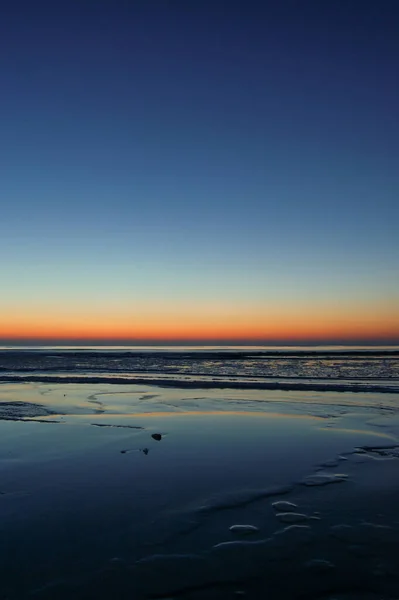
column 138, row 491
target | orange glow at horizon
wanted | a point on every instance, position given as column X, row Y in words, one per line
column 206, row 324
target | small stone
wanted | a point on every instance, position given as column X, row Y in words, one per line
column 157, row 437
column 145, row 451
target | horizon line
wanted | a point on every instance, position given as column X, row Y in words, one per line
column 196, row 342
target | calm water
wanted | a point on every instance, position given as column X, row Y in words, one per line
column 159, row 488
column 134, row 491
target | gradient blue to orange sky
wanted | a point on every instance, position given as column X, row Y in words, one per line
column 199, row 172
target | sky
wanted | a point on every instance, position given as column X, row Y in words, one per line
column 203, row 171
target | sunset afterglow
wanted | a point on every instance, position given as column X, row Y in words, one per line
column 225, row 182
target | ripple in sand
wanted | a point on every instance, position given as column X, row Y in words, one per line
column 240, row 545
column 287, row 542
column 284, row 506
column 241, row 558
column 244, row 529
column 242, row 498
column 116, row 426
column 293, row 534
column 292, row 517
column 330, row 463
column 319, row 564
column 380, row 451
column 193, row 517
column 324, row 479
column 293, row 529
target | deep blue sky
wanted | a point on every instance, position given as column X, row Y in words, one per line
column 230, row 153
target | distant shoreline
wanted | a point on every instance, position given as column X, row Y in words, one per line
column 217, row 353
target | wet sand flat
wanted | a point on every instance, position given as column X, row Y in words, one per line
column 142, row 492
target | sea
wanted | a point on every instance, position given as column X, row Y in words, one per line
column 322, row 368
column 199, row 473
